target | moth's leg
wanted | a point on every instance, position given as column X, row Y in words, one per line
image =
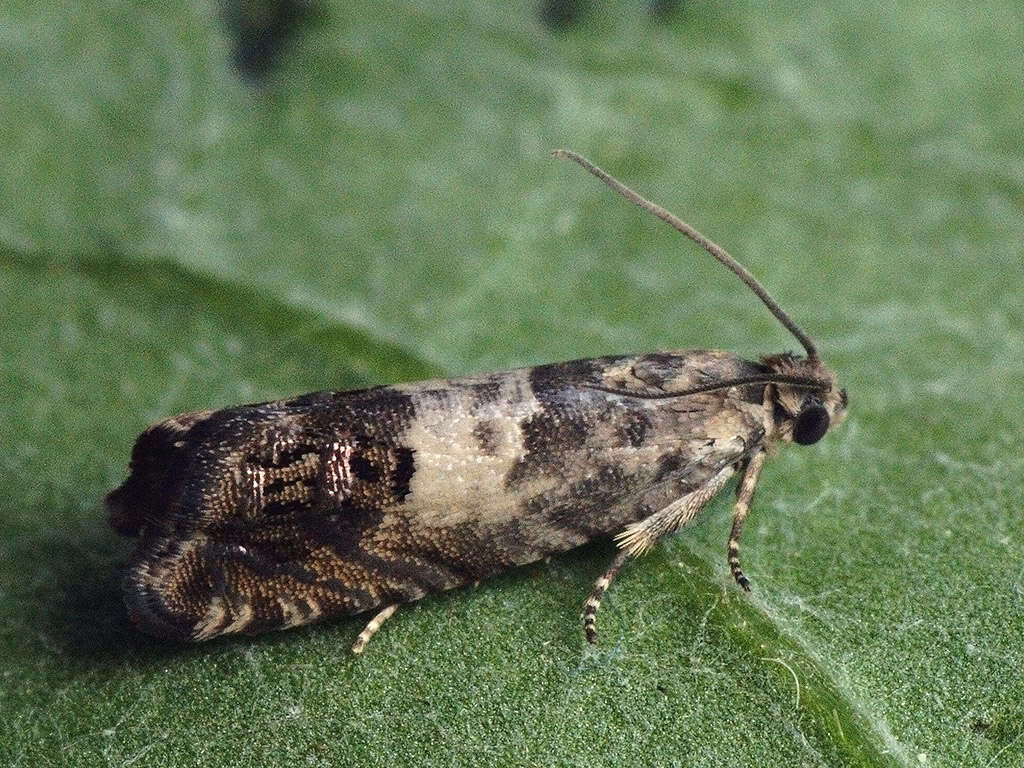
column 372, row 627
column 594, row 601
column 636, row 538
column 744, row 495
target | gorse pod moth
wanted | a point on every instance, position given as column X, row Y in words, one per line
column 278, row 514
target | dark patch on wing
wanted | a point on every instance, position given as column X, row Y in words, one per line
column 582, row 506
column 381, row 413
column 313, row 399
column 549, row 380
column 487, row 438
column 634, row 426
column 555, row 430
column 367, row 474
column 547, row 436
column 401, row 474
column 486, row 392
column 363, row 469
column 669, row 464
column 144, row 492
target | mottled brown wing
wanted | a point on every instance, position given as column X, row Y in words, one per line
column 249, row 518
column 273, row 515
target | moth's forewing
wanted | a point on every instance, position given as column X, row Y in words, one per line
column 277, row 514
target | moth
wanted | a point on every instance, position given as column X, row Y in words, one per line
column 267, row 516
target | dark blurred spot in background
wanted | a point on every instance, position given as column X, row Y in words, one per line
column 663, row 8
column 559, row 14
column 262, row 30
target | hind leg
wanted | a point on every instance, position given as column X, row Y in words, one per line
column 594, row 601
column 371, row 628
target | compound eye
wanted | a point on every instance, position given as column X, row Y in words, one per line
column 811, row 424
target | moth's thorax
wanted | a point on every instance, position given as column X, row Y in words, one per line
column 803, row 412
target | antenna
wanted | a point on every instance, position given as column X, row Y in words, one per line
column 719, row 253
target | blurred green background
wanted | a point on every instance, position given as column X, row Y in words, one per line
column 203, row 204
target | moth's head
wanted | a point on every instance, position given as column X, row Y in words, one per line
column 807, row 408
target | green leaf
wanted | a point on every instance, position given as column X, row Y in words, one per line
column 381, row 206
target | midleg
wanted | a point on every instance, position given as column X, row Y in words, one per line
column 372, row 627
